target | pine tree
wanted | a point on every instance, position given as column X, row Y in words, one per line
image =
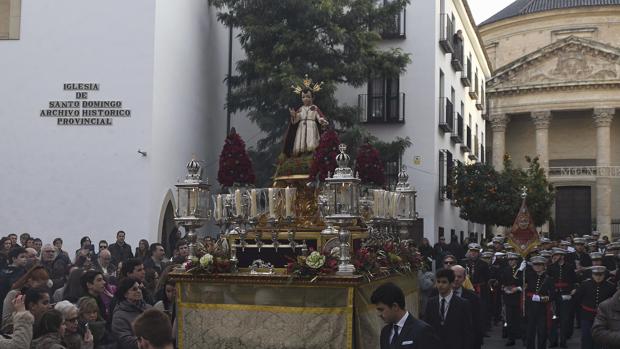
column 369, row 166
column 235, row 164
column 324, row 158
column 334, row 41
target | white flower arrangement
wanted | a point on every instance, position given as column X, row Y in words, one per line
column 315, row 260
column 206, row 260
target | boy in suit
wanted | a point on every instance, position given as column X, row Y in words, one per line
column 402, row 329
column 450, row 315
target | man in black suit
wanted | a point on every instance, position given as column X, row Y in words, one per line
column 450, row 315
column 402, row 329
column 474, row 302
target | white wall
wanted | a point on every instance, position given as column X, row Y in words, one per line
column 191, row 56
column 71, row 181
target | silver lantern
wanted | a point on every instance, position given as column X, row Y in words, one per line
column 342, row 206
column 192, row 203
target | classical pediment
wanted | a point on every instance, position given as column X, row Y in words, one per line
column 569, row 62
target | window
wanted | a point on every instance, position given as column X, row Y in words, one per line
column 395, row 29
column 392, row 168
column 447, row 32
column 446, row 168
column 384, row 103
column 10, row 17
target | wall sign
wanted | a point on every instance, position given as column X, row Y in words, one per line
column 82, row 111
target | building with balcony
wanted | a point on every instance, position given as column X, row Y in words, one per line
column 554, row 94
column 438, row 103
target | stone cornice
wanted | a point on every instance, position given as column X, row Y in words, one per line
column 603, row 116
column 588, row 85
column 541, row 119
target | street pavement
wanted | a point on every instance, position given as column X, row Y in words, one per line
column 496, row 341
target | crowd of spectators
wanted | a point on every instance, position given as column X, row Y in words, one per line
column 105, row 297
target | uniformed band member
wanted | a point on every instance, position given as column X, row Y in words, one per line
column 512, row 288
column 478, row 271
column 539, row 292
column 564, row 276
column 588, row 296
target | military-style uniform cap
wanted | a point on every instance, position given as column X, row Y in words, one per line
column 613, row 246
column 474, row 246
column 587, row 237
column 545, row 253
column 592, row 244
column 558, row 251
column 485, row 254
column 601, row 242
column 545, row 241
column 500, row 255
column 564, row 243
column 498, row 240
column 508, row 247
column 579, row 241
column 512, row 255
column 598, row 269
column 596, row 255
column 596, row 233
column 538, row 260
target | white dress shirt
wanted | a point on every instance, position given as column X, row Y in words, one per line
column 447, row 298
column 400, row 324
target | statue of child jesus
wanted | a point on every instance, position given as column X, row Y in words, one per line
column 306, row 122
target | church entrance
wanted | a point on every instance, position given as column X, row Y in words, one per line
column 573, row 211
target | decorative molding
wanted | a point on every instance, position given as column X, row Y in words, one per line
column 576, row 62
column 603, row 116
column 499, row 122
column 541, row 119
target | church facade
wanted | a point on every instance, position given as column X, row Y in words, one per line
column 554, row 94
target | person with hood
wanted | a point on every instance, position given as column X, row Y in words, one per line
column 129, row 305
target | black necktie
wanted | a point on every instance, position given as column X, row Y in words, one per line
column 395, row 335
column 442, row 309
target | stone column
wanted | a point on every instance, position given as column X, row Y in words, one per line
column 541, row 120
column 498, row 125
column 602, row 119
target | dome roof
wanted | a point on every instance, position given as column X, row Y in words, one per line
column 524, row 7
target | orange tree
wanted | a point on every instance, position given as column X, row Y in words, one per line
column 487, row 196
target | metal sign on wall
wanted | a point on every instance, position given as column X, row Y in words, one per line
column 585, row 171
column 83, row 111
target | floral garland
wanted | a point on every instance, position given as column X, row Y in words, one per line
column 208, row 264
column 391, row 257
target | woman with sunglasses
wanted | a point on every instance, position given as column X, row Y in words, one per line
column 129, row 305
column 73, row 337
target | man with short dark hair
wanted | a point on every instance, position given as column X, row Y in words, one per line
column 182, row 250
column 23, row 238
column 93, row 284
column 153, row 330
column 13, row 238
column 402, row 329
column 37, row 245
column 134, row 268
column 120, row 250
column 449, row 314
column 156, row 261
column 17, row 267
